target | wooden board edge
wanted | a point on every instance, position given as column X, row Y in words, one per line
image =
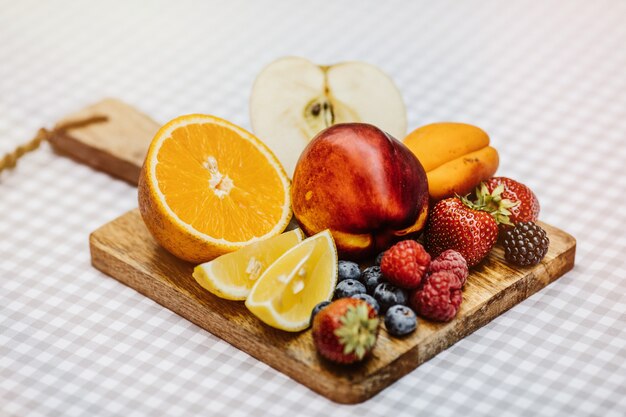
column 98, row 159
column 359, row 390
column 494, row 307
column 102, row 260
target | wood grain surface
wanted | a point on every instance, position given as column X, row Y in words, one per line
column 117, row 146
column 125, row 250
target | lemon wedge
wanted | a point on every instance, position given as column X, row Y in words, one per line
column 231, row 276
column 305, row 275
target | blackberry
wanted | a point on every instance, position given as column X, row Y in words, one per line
column 348, row 270
column 525, row 244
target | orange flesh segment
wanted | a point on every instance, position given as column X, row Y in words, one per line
column 252, row 200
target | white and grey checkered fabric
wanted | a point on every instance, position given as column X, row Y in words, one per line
column 547, row 80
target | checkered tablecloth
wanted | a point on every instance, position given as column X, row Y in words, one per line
column 547, row 80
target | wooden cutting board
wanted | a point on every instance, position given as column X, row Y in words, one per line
column 125, row 250
column 117, row 146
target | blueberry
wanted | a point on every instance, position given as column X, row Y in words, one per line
column 388, row 295
column 379, row 258
column 348, row 270
column 400, row 320
column 348, row 288
column 317, row 309
column 369, row 300
column 371, row 277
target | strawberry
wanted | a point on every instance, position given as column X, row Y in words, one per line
column 346, row 330
column 501, row 195
column 456, row 224
column 405, row 263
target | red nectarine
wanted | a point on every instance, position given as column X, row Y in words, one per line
column 362, row 184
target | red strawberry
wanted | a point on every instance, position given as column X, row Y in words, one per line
column 501, row 195
column 454, row 224
column 405, row 263
column 345, row 331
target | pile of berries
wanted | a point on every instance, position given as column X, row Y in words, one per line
column 471, row 225
column 405, row 284
column 410, row 280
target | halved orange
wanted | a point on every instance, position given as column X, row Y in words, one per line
column 208, row 187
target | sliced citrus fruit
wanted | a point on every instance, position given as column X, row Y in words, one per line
column 232, row 275
column 302, row 277
column 208, row 187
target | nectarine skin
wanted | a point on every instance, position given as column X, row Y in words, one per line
column 362, row 184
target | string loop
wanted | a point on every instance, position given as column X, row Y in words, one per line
column 9, row 160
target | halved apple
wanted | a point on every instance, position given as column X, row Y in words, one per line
column 293, row 99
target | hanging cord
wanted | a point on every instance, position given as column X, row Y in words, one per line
column 9, row 160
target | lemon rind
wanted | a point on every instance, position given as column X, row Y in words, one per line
column 204, row 275
column 275, row 320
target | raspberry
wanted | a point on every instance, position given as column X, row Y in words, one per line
column 439, row 298
column 526, row 244
column 452, row 261
column 405, row 264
